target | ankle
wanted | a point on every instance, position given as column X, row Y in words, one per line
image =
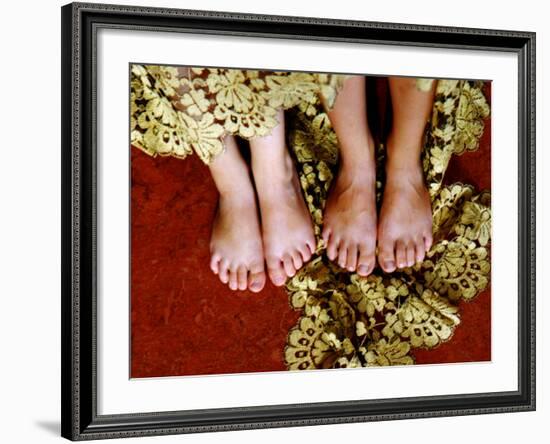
column 238, row 197
column 360, row 172
column 405, row 174
column 356, row 177
column 272, row 168
column 234, row 185
column 359, row 161
column 403, row 155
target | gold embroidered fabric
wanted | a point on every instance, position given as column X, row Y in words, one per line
column 347, row 320
column 176, row 111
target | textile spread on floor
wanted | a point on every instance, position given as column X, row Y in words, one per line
column 347, row 320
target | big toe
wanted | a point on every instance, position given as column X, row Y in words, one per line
column 366, row 261
column 277, row 274
column 256, row 281
column 386, row 257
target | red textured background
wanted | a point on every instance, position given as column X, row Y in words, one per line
column 185, row 322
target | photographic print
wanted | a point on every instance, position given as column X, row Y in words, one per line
column 307, row 220
column 273, row 221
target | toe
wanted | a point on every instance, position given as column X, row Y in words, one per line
column 306, row 254
column 311, row 243
column 386, row 255
column 256, row 278
column 215, row 263
column 288, row 265
column 428, row 240
column 224, row 271
column 342, row 255
column 276, row 273
column 297, row 260
column 256, row 282
column 332, row 248
column 401, row 254
column 351, row 263
column 326, row 234
column 420, row 250
column 411, row 255
column 233, row 283
column 365, row 262
column 242, row 277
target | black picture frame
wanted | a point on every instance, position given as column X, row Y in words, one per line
column 80, row 22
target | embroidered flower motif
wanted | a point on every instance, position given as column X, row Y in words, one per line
column 470, row 115
column 195, row 102
column 368, row 293
column 475, row 223
column 231, row 91
column 385, row 353
column 461, row 269
column 425, row 322
column 204, row 136
column 287, row 91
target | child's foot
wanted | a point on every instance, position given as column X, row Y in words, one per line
column 236, row 245
column 287, row 228
column 349, row 226
column 236, row 242
column 405, row 222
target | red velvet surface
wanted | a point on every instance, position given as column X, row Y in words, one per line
column 185, row 322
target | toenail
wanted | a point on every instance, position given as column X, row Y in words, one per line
column 363, row 269
column 390, row 265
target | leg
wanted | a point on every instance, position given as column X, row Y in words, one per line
column 287, row 228
column 236, row 243
column 405, row 229
column 349, row 228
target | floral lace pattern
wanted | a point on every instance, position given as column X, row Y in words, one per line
column 347, row 320
column 177, row 111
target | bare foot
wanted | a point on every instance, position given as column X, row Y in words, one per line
column 236, row 242
column 349, row 227
column 405, row 227
column 236, row 246
column 287, row 228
